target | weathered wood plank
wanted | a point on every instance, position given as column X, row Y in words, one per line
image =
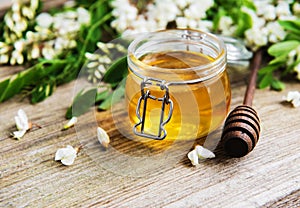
column 29, row 176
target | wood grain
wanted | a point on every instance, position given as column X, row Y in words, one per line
column 267, row 177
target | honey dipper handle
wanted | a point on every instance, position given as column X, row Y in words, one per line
column 254, row 65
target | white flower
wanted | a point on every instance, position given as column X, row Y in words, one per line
column 283, row 9
column 103, row 137
column 4, row 59
column 31, row 36
column 293, row 97
column 276, row 32
column 204, row 153
column 181, row 22
column 66, row 155
column 35, row 51
column 181, row 3
column 260, row 6
column 22, row 124
column 16, row 6
column 91, row 56
column 101, row 69
column 20, row 26
column 103, row 47
column 83, row 16
column 97, row 74
column 192, row 23
column 70, row 123
column 44, row 20
column 197, row 10
column 27, row 12
column 59, row 44
column 256, row 37
column 19, row 45
column 16, row 57
column 104, row 59
column 296, row 8
column 92, row 64
column 4, row 49
column 72, row 44
column 269, row 12
column 199, row 153
column 48, row 51
column 70, row 14
column 225, row 25
column 34, row 4
column 16, row 16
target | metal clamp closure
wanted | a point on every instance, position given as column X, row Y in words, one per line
column 165, row 100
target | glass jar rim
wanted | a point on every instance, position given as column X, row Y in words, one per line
column 184, row 36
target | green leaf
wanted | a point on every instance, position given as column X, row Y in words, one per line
column 292, row 36
column 82, row 103
column 265, row 81
column 277, row 85
column 3, row 86
column 41, row 92
column 113, row 98
column 14, row 87
column 216, row 18
column 268, row 69
column 249, row 4
column 102, row 95
column 291, row 25
column 117, row 71
column 283, row 48
column 279, row 60
column 244, row 22
column 290, row 68
column 35, row 75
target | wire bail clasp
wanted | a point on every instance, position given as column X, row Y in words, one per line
column 165, row 100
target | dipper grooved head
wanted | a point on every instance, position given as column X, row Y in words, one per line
column 241, row 131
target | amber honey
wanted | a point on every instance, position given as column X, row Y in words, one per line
column 197, row 86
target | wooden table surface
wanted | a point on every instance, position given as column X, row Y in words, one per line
column 29, row 176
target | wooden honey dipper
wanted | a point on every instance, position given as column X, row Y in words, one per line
column 242, row 128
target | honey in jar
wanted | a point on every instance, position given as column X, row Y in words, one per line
column 177, row 87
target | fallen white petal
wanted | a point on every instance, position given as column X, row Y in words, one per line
column 19, row 124
column 69, row 160
column 66, row 155
column 293, row 97
column 103, row 137
column 193, row 157
column 18, row 134
column 204, row 153
column 22, row 124
column 59, row 154
column 296, row 102
column 71, row 122
column 23, row 119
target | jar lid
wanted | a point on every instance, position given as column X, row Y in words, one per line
column 178, row 40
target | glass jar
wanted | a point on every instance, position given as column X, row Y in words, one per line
column 177, row 87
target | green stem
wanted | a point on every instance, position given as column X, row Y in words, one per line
column 96, row 25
